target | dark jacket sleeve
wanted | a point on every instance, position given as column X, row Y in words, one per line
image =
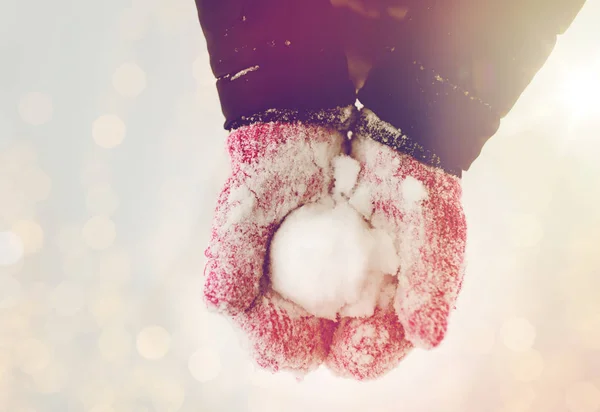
column 449, row 70
column 274, row 54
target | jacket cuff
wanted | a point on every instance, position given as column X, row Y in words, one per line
column 429, row 117
column 372, row 126
column 291, row 83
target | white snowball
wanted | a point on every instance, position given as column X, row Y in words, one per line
column 369, row 296
column 325, row 258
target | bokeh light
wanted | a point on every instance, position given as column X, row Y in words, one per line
column 31, row 235
column 11, row 248
column 129, row 80
column 153, row 342
column 204, row 365
column 108, row 131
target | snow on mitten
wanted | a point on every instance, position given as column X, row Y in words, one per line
column 420, row 207
column 368, row 348
column 276, row 168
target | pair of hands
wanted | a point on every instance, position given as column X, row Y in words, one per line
column 277, row 168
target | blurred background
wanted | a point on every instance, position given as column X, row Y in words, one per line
column 111, row 156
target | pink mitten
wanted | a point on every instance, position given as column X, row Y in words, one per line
column 368, row 348
column 420, row 208
column 275, row 168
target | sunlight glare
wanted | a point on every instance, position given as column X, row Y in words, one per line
column 581, row 91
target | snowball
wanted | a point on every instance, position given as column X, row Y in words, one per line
column 368, row 298
column 327, row 259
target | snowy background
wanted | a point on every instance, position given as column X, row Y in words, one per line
column 111, row 155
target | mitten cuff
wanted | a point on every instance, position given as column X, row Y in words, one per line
column 369, row 124
column 337, row 118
